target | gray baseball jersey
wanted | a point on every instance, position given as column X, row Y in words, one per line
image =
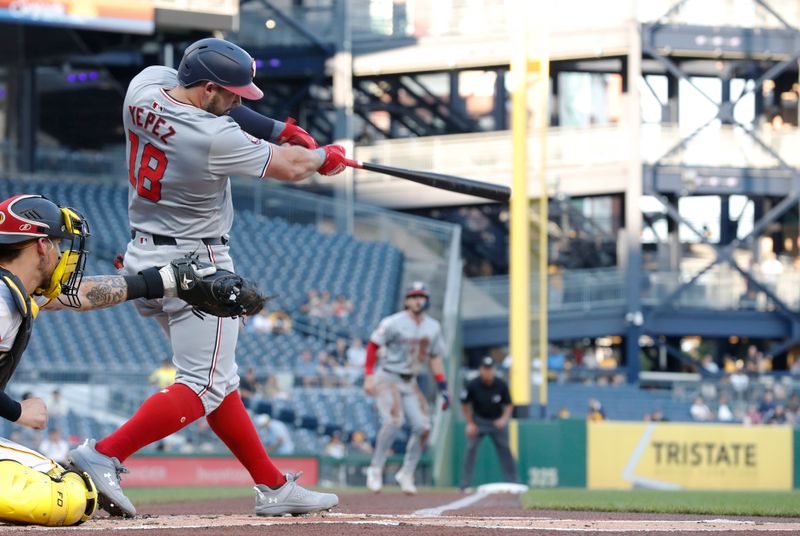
column 408, row 344
column 179, row 161
column 180, row 158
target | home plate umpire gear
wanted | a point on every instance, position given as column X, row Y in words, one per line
column 222, row 293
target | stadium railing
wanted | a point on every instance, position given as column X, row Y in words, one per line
column 721, row 288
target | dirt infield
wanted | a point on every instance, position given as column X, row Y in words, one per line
column 427, row 514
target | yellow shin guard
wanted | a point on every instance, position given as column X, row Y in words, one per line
column 30, row 497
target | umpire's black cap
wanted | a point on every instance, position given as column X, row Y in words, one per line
column 487, row 362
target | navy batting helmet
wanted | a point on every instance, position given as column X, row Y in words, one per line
column 220, row 62
column 417, row 288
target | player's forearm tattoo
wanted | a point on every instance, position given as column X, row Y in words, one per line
column 104, row 290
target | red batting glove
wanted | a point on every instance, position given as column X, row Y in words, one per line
column 294, row 135
column 334, row 160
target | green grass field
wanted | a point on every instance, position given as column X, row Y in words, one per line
column 780, row 504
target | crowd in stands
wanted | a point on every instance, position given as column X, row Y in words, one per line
column 318, row 305
column 340, row 365
column 774, row 406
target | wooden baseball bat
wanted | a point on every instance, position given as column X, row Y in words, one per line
column 495, row 192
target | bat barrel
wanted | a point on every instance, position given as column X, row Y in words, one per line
column 486, row 190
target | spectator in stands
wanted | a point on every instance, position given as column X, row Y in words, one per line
column 724, row 413
column 709, row 364
column 590, row 358
column 56, row 406
column 595, row 412
column 339, row 351
column 249, row 388
column 700, row 411
column 273, row 389
column 778, row 416
column 795, row 368
column 328, row 370
column 356, row 358
column 305, row 371
column 555, row 363
column 261, row 323
column 341, row 307
column 739, row 381
column 163, row 376
column 656, row 416
column 752, row 416
column 324, row 306
column 311, row 305
column 280, row 323
column 54, row 446
column 751, row 358
column 793, row 406
column 359, row 443
column 275, row 435
column 767, row 405
column 335, row 448
column 764, row 364
column 318, row 304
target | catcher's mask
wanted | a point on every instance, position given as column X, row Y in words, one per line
column 27, row 217
column 418, row 288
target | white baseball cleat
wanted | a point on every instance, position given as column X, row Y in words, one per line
column 406, row 481
column 292, row 498
column 374, row 478
column 104, row 472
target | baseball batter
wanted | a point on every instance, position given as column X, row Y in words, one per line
column 410, row 339
column 42, row 255
column 182, row 147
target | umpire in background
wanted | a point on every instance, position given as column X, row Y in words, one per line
column 486, row 404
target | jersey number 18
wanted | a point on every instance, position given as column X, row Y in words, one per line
column 151, row 169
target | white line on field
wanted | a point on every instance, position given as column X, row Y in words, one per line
column 455, row 505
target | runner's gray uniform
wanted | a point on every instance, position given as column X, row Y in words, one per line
column 406, row 345
column 183, row 193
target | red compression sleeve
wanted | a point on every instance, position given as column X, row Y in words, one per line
column 372, row 358
column 232, row 424
column 163, row 414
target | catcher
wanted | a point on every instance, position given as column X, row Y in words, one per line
column 42, row 255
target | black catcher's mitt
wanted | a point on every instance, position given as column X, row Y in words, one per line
column 222, row 293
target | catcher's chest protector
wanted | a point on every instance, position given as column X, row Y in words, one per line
column 25, row 306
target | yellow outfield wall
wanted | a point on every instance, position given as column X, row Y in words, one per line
column 624, row 455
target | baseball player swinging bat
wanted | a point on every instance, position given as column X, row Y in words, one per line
column 495, row 192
